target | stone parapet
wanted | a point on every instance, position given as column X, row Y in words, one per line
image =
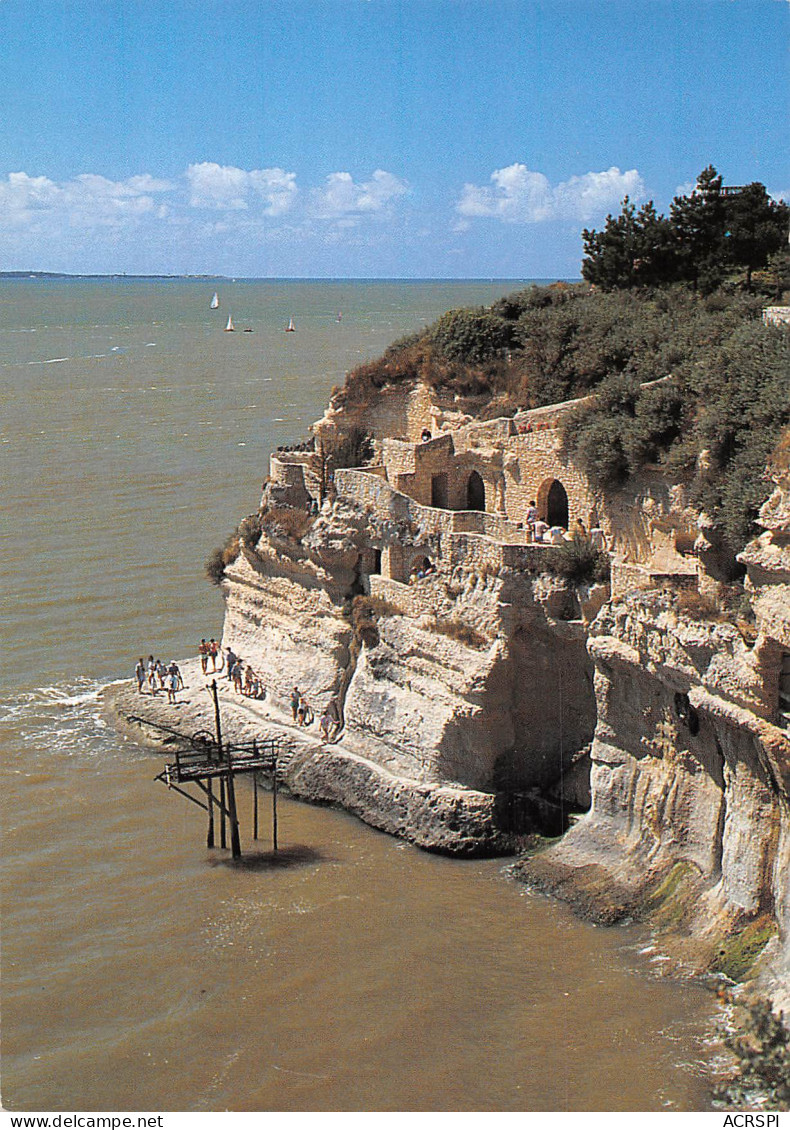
column 628, row 577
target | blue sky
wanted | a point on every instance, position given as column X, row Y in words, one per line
column 360, row 138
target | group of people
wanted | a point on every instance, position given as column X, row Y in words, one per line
column 421, row 569
column 212, row 651
column 159, row 677
column 244, row 677
column 544, row 534
column 330, row 722
column 301, row 712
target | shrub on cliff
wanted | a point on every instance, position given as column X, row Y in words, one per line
column 624, row 428
column 741, row 389
column 471, row 336
column 366, row 611
column 250, row 529
column 221, row 557
column 728, row 400
column 286, row 521
column 461, row 632
column 579, row 562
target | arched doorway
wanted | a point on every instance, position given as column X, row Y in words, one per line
column 475, row 492
column 421, row 567
column 553, row 503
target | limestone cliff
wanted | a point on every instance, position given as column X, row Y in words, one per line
column 409, row 567
column 690, row 818
column 458, row 678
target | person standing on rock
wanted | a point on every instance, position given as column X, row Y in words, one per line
column 326, row 722
column 295, row 700
column 203, row 652
column 152, row 674
column 139, row 674
column 172, row 683
column 213, row 650
column 249, row 680
column 230, row 660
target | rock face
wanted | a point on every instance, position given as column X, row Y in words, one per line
column 462, row 681
column 690, row 816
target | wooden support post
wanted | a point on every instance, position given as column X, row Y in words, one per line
column 255, row 793
column 210, row 833
column 274, row 807
column 235, row 841
column 223, row 808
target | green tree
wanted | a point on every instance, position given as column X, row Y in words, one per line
column 699, row 224
column 634, row 249
column 756, row 228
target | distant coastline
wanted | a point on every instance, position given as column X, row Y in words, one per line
column 27, row 275
column 67, row 275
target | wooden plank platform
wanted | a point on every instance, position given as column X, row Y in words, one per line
column 203, row 757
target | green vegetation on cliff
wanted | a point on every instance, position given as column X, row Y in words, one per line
column 719, row 413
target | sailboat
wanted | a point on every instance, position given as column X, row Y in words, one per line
column 214, row 304
column 230, row 326
column 290, row 328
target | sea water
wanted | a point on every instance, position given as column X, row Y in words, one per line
column 139, row 970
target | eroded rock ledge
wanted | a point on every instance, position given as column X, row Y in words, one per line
column 439, row 818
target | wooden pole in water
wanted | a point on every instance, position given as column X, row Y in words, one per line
column 255, row 794
column 218, row 729
column 235, row 842
column 235, row 839
column 274, row 807
column 223, row 808
column 210, row 833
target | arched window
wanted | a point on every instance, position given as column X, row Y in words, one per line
column 475, row 493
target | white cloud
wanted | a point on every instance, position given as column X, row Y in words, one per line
column 521, row 196
column 341, row 197
column 86, row 201
column 230, row 189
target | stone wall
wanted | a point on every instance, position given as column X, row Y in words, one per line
column 531, row 463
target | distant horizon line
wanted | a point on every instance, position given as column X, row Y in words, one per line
column 26, row 275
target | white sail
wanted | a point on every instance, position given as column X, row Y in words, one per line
column 290, row 328
column 215, row 301
column 230, row 326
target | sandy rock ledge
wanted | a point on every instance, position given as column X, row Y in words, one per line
column 456, row 821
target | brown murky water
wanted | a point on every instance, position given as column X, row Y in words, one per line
column 140, row 971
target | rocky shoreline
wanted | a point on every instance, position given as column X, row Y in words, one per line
column 440, row 818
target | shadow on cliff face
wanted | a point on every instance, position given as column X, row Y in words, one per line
column 296, row 856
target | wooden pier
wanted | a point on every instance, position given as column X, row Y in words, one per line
column 203, row 760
